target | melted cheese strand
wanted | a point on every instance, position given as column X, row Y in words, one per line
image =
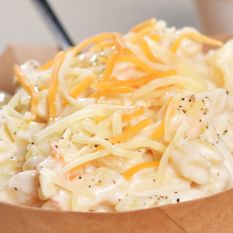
column 167, row 154
column 84, row 159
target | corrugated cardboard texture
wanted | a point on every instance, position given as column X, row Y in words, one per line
column 209, row 215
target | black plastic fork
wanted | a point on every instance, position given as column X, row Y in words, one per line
column 62, row 38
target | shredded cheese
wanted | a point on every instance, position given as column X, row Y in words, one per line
column 130, row 116
column 193, row 35
column 167, row 154
column 130, row 132
column 137, row 62
column 113, row 91
column 137, row 82
column 143, row 25
column 110, row 66
column 147, row 51
column 46, row 66
column 54, row 86
column 158, row 132
column 120, row 123
column 28, row 87
column 82, row 86
column 93, row 40
column 131, row 172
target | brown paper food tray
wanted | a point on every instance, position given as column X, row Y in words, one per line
column 208, row 215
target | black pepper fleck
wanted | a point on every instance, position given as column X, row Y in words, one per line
column 225, row 132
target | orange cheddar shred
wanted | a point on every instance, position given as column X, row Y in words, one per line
column 136, row 82
column 196, row 36
column 158, row 132
column 46, row 66
column 102, row 45
column 130, row 132
column 146, row 31
column 93, row 40
column 130, row 116
column 82, row 86
column 143, row 25
column 112, row 91
column 110, row 66
column 22, row 79
column 129, row 173
column 147, row 51
column 137, row 62
column 155, row 37
column 54, row 85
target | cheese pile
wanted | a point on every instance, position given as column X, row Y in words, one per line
column 120, row 123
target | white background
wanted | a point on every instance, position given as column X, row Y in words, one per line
column 20, row 22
